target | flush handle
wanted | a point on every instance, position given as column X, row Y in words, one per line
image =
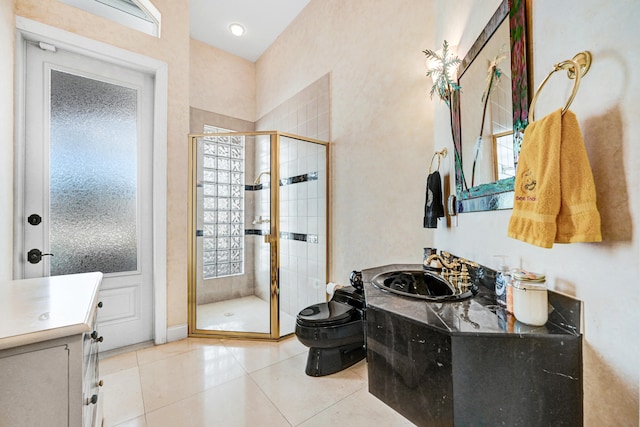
column 34, row 256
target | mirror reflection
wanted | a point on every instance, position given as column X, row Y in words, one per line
column 490, row 111
column 486, row 113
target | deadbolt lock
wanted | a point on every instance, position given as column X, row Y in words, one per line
column 34, row 219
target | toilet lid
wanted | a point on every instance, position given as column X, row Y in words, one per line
column 326, row 313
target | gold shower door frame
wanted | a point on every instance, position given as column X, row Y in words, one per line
column 273, row 238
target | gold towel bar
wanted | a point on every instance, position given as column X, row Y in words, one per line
column 581, row 61
column 439, row 154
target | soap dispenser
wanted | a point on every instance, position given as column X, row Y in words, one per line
column 503, row 276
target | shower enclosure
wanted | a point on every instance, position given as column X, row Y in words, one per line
column 258, row 227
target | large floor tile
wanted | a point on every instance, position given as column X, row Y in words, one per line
column 361, row 409
column 236, row 403
column 136, row 422
column 122, row 396
column 177, row 377
column 360, row 369
column 113, row 364
column 254, row 355
column 300, row 397
column 155, row 353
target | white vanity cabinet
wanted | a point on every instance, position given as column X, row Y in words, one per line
column 49, row 372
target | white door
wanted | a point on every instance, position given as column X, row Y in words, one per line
column 87, row 183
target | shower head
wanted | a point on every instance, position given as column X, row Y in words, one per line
column 257, row 180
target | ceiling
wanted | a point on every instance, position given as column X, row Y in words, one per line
column 263, row 20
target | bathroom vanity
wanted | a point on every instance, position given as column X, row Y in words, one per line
column 469, row 363
column 49, row 351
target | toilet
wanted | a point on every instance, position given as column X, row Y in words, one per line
column 334, row 330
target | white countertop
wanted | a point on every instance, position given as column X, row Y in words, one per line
column 34, row 310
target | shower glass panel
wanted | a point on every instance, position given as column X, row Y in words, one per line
column 303, row 227
column 232, row 292
column 258, row 228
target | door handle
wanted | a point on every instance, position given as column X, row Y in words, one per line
column 34, row 256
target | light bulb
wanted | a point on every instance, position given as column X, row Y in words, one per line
column 236, row 29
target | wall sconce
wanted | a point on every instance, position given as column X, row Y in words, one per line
column 441, row 67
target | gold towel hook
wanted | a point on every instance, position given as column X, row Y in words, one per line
column 582, row 62
column 439, row 154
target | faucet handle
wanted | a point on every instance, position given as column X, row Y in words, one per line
column 463, row 261
column 464, row 272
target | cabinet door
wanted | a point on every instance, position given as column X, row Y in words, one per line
column 34, row 388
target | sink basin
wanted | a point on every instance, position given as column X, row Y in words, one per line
column 421, row 284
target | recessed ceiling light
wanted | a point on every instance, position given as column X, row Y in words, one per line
column 236, row 29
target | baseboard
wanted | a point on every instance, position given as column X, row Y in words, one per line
column 179, row 332
column 126, row 349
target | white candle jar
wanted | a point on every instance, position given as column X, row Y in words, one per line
column 530, row 299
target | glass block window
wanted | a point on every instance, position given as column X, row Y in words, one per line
column 223, row 204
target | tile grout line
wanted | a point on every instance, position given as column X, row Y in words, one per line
column 268, row 398
column 194, row 394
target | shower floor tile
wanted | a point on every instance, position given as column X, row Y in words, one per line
column 246, row 314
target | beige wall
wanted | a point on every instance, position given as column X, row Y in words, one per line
column 6, row 137
column 172, row 48
column 222, row 83
column 381, row 119
column 383, row 139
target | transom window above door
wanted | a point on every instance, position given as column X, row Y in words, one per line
column 140, row 15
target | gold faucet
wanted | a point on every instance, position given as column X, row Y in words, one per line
column 458, row 278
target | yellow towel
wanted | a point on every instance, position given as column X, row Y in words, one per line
column 555, row 196
column 579, row 219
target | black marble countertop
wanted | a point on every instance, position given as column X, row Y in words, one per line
column 478, row 315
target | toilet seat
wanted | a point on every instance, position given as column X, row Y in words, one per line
column 326, row 314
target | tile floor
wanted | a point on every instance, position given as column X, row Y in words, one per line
column 211, row 382
column 246, row 314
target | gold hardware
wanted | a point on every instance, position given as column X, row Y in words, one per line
column 443, row 260
column 100, row 383
column 582, row 62
column 257, row 180
column 440, row 154
column 464, row 272
column 459, row 279
column 267, row 238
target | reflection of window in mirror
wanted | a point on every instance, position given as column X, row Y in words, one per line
column 503, row 155
column 501, row 128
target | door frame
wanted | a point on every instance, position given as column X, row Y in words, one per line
column 27, row 29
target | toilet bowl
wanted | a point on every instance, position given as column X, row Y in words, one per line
column 334, row 332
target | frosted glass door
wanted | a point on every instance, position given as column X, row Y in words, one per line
column 86, row 183
column 92, row 176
